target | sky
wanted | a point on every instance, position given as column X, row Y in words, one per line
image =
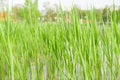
column 67, row 4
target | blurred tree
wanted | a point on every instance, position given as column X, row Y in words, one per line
column 31, row 11
column 106, row 14
column 16, row 11
column 28, row 12
column 50, row 13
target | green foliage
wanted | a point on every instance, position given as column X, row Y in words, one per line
column 50, row 15
column 28, row 12
column 60, row 51
column 98, row 15
column 116, row 15
column 106, row 15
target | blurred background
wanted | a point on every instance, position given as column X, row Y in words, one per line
column 45, row 10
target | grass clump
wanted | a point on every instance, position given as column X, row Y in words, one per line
column 60, row 51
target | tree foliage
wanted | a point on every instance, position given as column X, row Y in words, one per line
column 29, row 12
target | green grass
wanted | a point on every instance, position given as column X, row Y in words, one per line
column 61, row 51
